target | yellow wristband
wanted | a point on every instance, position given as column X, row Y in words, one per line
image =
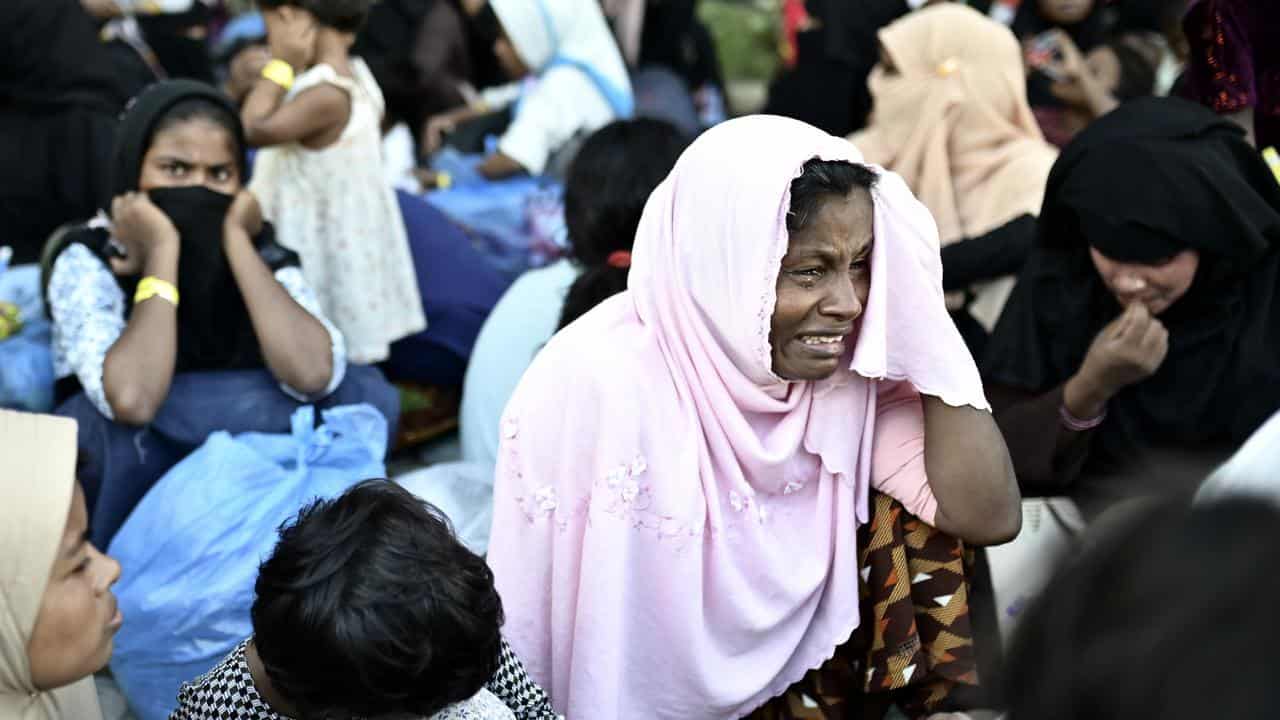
column 150, row 287
column 279, row 72
column 1273, row 161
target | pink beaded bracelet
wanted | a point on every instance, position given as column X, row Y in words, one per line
column 1074, row 423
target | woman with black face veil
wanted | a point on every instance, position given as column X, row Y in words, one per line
column 177, row 314
column 1142, row 344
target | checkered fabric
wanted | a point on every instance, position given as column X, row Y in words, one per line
column 227, row 692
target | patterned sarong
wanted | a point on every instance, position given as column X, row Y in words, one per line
column 914, row 646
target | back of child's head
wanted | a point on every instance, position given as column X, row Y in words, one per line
column 609, row 181
column 344, row 15
column 370, row 606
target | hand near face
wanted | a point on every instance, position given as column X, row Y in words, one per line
column 246, row 67
column 1127, row 351
column 142, row 228
column 245, row 213
column 1056, row 54
column 291, row 34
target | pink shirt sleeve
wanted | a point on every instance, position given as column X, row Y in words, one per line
column 897, row 456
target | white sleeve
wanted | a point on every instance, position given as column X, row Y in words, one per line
column 563, row 103
column 496, row 98
column 87, row 308
column 292, row 280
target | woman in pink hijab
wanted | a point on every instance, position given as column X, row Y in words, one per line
column 683, row 470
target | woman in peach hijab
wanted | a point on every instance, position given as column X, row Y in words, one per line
column 57, row 613
column 950, row 116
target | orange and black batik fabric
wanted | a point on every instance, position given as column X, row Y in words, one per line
column 914, row 646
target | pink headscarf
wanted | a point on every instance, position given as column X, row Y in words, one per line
column 675, row 526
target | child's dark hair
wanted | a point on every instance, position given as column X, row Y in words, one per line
column 609, row 181
column 369, row 605
column 344, row 15
column 820, row 179
column 198, row 108
column 1137, row 74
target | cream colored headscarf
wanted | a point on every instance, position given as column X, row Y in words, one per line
column 37, row 480
column 954, row 122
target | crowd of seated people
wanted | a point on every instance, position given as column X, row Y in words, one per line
column 740, row 401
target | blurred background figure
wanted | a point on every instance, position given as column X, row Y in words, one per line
column 1234, row 64
column 951, row 117
column 1167, row 612
column 61, row 91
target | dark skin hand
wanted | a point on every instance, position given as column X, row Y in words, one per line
column 294, row 344
column 317, row 116
column 493, row 167
column 139, row 367
column 822, row 289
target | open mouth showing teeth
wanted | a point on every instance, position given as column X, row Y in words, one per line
column 821, row 339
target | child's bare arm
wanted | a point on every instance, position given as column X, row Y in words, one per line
column 314, row 118
column 498, row 166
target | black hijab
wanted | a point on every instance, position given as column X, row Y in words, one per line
column 1155, row 177
column 140, row 120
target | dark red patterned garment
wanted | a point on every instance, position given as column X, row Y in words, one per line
column 1235, row 60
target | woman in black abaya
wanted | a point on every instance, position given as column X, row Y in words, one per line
column 1142, row 344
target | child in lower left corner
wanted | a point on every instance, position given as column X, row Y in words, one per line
column 316, row 112
column 369, row 607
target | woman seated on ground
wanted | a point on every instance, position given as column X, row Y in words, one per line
column 950, row 115
column 568, row 78
column 370, row 608
column 1139, row 348
column 179, row 315
column 608, row 184
column 684, row 469
column 58, row 616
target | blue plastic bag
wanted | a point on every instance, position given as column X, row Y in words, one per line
column 191, row 549
column 26, row 358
